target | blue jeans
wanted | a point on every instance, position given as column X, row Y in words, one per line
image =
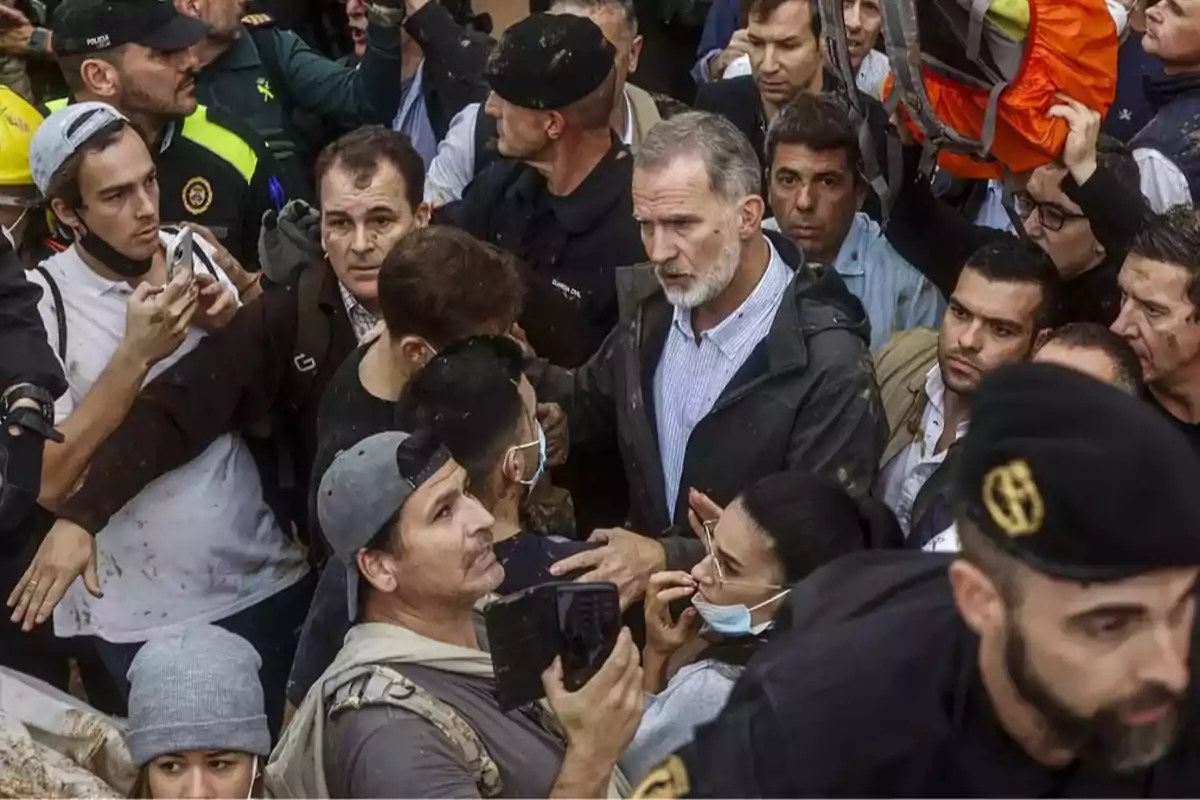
column 272, row 626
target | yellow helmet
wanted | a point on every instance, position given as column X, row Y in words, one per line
column 18, row 121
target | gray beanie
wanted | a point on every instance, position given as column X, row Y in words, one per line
column 196, row 690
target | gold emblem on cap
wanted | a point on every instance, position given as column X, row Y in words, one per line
column 668, row 779
column 1012, row 499
column 197, row 195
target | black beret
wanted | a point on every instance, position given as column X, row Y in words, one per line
column 1076, row 478
column 549, row 61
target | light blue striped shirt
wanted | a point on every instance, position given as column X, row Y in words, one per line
column 691, row 375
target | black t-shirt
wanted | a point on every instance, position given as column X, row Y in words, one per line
column 348, row 413
column 887, row 703
column 1188, row 429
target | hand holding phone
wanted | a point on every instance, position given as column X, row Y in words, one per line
column 180, row 254
column 574, row 623
column 601, row 717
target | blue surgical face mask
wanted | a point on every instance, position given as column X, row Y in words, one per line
column 733, row 620
column 541, row 446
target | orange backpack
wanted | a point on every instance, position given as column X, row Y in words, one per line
column 975, row 94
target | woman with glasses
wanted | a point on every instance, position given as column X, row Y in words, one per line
column 772, row 535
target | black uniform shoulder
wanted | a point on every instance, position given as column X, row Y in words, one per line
column 843, row 708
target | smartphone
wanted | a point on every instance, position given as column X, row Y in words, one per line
column 179, row 254
column 578, row 622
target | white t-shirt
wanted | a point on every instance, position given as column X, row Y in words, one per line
column 198, row 544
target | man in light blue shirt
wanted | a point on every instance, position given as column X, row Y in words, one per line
column 816, row 189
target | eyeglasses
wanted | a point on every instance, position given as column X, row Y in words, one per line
column 708, row 526
column 1051, row 216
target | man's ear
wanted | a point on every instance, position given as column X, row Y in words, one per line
column 861, row 188
column 750, row 216
column 421, row 215
column 1039, row 339
column 66, row 215
column 978, row 600
column 415, row 351
column 635, row 53
column 379, row 569
column 556, row 123
column 100, row 77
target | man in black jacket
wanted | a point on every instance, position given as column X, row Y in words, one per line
column 1173, row 35
column 559, row 200
column 733, row 360
column 280, row 352
column 785, row 62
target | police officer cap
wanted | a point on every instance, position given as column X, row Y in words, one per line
column 549, row 61
column 1077, row 479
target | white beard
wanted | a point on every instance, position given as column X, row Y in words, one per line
column 707, row 285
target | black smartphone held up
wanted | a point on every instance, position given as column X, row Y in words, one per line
column 578, row 621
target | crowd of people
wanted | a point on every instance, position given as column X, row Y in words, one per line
column 323, row 332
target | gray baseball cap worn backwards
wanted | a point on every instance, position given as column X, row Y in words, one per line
column 365, row 486
column 64, row 132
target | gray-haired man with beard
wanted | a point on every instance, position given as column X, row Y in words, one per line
column 732, row 359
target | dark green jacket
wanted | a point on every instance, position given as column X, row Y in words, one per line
column 269, row 73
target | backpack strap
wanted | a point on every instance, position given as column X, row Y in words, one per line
column 60, row 313
column 384, row 686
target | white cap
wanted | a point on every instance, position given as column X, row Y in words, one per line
column 64, row 132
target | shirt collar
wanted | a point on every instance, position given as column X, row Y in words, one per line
column 935, row 388
column 851, row 257
column 761, row 301
column 362, row 321
column 628, row 134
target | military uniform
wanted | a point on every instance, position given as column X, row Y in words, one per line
column 268, row 74
column 211, row 175
column 874, row 688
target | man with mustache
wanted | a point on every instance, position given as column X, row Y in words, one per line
column 733, row 360
column 408, row 708
column 1006, row 294
column 138, row 56
column 1051, row 658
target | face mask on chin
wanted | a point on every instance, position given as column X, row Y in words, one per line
column 8, row 231
column 109, row 256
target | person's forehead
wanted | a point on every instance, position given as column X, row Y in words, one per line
column 127, row 159
column 998, row 299
column 682, row 181
column 783, row 19
column 802, row 158
column 736, row 535
column 343, row 189
column 448, row 479
column 1045, row 186
column 1149, row 278
column 1158, row 591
